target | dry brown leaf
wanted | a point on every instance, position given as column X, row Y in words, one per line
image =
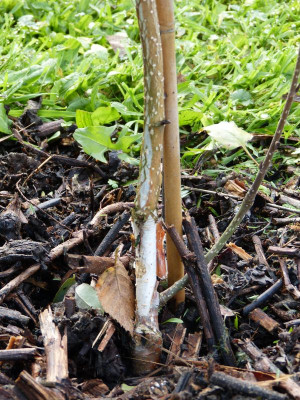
column 239, row 251
column 119, row 41
column 216, row 279
column 116, row 294
column 235, row 188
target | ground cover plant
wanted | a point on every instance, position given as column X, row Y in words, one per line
column 71, row 123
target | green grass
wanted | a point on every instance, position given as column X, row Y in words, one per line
column 235, row 61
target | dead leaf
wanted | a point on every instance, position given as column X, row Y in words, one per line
column 239, row 251
column 235, row 188
column 216, row 279
column 116, row 294
column 119, row 41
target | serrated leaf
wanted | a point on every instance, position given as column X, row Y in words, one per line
column 104, row 115
column 4, row 126
column 86, row 297
column 116, row 294
column 228, row 134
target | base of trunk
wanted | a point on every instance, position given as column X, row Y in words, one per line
column 147, row 349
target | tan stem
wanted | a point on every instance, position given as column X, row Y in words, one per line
column 171, row 149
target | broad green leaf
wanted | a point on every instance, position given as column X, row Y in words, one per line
column 4, row 121
column 86, row 298
column 83, row 118
column 189, row 117
column 228, row 135
column 104, row 115
column 96, row 140
column 123, row 110
column 63, row 289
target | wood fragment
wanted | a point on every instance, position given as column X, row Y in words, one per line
column 34, row 390
column 13, row 315
column 260, row 317
column 177, row 342
column 17, row 354
column 110, row 209
column 193, row 341
column 259, row 251
column 239, row 386
column 55, row 348
column 213, row 227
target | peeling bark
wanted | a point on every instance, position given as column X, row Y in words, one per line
column 147, row 337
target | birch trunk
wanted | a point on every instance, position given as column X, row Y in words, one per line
column 147, row 337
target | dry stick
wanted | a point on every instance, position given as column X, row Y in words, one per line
column 250, row 196
column 208, row 291
column 239, row 386
column 286, row 279
column 291, row 210
column 112, row 234
column 17, row 354
column 261, row 255
column 188, row 259
column 171, row 145
column 265, row 296
column 284, row 221
column 10, row 286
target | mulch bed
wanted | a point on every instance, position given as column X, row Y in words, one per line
column 49, row 197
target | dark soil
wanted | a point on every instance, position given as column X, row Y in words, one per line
column 47, row 196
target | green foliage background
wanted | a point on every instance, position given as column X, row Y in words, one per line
column 235, row 62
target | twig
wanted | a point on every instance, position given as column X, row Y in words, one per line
column 263, row 297
column 286, row 279
column 212, row 192
column 10, row 286
column 239, row 386
column 112, row 234
column 208, row 291
column 188, row 259
column 250, row 196
column 291, row 210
